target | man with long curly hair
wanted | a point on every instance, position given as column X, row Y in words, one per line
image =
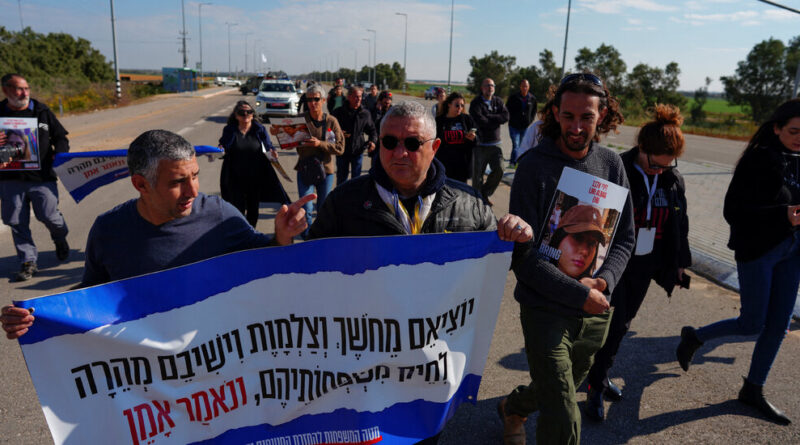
column 564, row 318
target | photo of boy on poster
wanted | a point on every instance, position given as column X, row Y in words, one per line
column 583, row 216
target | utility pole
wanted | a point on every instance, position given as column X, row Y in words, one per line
column 405, row 48
column 374, row 55
column 229, row 45
column 200, row 34
column 19, row 5
column 114, row 43
column 183, row 36
column 450, row 62
column 369, row 46
column 245, row 51
column 566, row 34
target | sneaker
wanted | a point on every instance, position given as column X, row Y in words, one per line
column 62, row 249
column 687, row 347
column 27, row 271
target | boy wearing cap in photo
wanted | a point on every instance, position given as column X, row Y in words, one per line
column 579, row 233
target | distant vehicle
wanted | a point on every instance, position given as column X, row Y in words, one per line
column 220, row 81
column 277, row 97
column 251, row 85
column 233, row 83
column 430, row 93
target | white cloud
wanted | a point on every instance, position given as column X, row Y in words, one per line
column 618, row 6
column 723, row 17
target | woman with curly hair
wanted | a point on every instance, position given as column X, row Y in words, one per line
column 456, row 129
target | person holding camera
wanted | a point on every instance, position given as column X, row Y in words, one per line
column 662, row 244
column 21, row 190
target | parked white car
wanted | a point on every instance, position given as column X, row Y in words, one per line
column 277, row 97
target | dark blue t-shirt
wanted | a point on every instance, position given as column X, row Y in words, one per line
column 122, row 244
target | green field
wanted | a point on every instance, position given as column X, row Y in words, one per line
column 716, row 105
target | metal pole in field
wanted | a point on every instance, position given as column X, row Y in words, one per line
column 369, row 46
column 374, row 55
column 355, row 66
column 229, row 45
column 114, row 43
column 19, row 5
column 405, row 46
column 797, row 75
column 245, row 51
column 200, row 34
column 450, row 61
column 566, row 34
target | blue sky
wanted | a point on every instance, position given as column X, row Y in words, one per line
column 705, row 37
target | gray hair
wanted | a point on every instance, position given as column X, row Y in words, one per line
column 150, row 147
column 412, row 110
column 316, row 89
column 354, row 89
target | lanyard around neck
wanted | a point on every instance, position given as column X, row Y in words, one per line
column 651, row 190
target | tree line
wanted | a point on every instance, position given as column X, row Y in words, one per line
column 393, row 75
column 761, row 82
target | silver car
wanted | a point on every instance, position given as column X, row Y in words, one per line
column 277, row 98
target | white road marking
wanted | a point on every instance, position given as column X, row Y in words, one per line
column 183, row 131
column 200, row 122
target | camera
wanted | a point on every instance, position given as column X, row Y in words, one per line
column 10, row 152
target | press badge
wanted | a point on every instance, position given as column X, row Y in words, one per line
column 645, row 240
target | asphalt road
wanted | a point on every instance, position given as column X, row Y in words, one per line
column 662, row 403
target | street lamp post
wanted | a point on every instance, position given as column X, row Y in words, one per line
column 566, row 34
column 405, row 49
column 200, row 34
column 450, row 61
column 797, row 74
column 374, row 55
column 369, row 46
column 255, row 55
column 229, row 45
column 245, row 51
column 183, row 37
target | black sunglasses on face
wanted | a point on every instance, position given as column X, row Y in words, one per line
column 313, row 99
column 244, row 112
column 581, row 76
column 661, row 167
column 411, row 144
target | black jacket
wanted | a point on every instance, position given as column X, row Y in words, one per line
column 356, row 123
column 488, row 118
column 52, row 139
column 674, row 244
column 356, row 209
column 521, row 116
column 756, row 204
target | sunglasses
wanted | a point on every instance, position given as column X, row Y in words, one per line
column 313, row 99
column 581, row 76
column 411, row 144
column 661, row 167
column 244, row 112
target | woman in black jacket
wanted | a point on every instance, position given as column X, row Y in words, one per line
column 762, row 206
column 247, row 176
column 457, row 131
column 662, row 244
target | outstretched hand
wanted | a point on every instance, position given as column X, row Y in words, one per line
column 291, row 220
column 15, row 321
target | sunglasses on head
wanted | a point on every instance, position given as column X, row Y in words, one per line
column 411, row 144
column 313, row 99
column 581, row 76
column 243, row 112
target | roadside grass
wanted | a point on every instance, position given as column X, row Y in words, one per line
column 717, row 106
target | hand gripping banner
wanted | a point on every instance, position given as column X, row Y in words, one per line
column 305, row 344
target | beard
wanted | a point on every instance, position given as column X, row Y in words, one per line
column 579, row 145
column 19, row 103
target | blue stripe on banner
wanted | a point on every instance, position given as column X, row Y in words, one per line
column 81, row 192
column 85, row 309
column 64, row 157
column 394, row 422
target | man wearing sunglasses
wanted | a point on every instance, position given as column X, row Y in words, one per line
column 406, row 191
column 489, row 113
column 359, row 134
column 564, row 320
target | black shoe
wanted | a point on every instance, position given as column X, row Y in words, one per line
column 594, row 405
column 62, row 249
column 27, row 271
column 612, row 391
column 753, row 395
column 687, row 347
